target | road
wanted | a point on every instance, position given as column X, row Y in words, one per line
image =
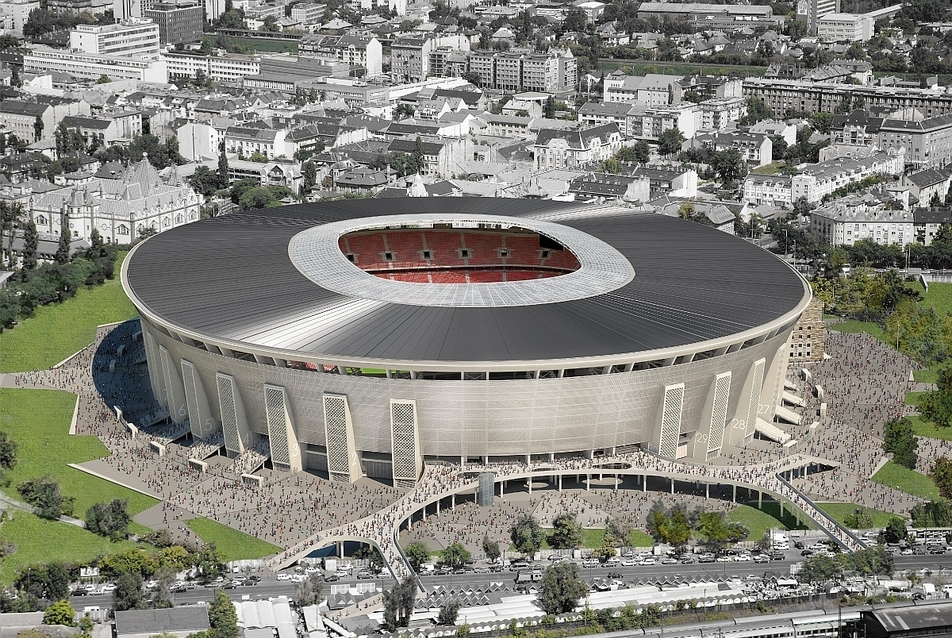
column 271, row 587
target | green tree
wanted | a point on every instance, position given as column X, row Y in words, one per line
column 60, row 613
column 86, row 626
column 104, row 79
column 205, row 181
column 819, row 569
column 941, row 475
column 566, row 532
column 729, row 165
column 548, row 109
column 899, row 438
column 222, row 617
column 639, row 153
column 936, row 406
column 455, row 555
column 757, row 111
column 31, row 244
column 717, row 532
column 63, row 247
column 128, row 593
column 258, row 197
column 8, row 450
column 398, row 604
column 449, row 611
column 310, row 591
column 222, row 172
column 527, row 535
column 859, row 519
column 210, row 561
column 670, row 141
column 309, row 174
column 895, row 530
column 617, row 532
column 491, row 549
column 603, row 553
column 417, row 554
column 561, row 588
column 109, row 519
column 610, row 166
column 57, row 586
column 44, row 494
column 38, row 129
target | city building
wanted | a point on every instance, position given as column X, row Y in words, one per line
column 814, row 97
column 230, row 67
column 16, row 13
column 810, row 11
column 845, row 27
column 701, row 88
column 768, row 190
column 927, row 141
column 757, row 149
column 720, row 112
column 359, row 50
column 410, row 55
column 130, row 37
column 308, row 12
column 652, row 89
column 555, row 148
column 648, row 123
column 843, row 223
column 808, row 339
column 928, row 184
column 20, row 117
column 178, row 23
column 710, row 16
column 92, row 67
column 551, row 72
column 120, row 209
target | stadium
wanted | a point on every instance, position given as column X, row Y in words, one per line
column 363, row 338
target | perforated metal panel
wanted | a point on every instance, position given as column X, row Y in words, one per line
column 671, row 421
column 156, row 375
column 277, row 425
column 229, row 413
column 403, row 430
column 335, row 427
column 722, row 390
column 201, row 421
column 754, row 398
column 174, row 392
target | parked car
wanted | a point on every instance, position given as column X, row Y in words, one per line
column 648, row 561
column 365, row 574
column 284, row 576
column 670, row 560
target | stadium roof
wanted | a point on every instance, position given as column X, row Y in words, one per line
column 232, row 279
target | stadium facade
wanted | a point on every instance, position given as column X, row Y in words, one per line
column 364, row 337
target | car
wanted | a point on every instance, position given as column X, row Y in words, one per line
column 495, row 568
column 365, row 574
column 818, row 546
column 781, row 546
column 688, row 560
column 761, row 558
column 107, row 588
column 628, row 554
column 442, row 570
column 614, row 575
column 670, row 560
column 742, row 558
column 230, row 585
column 342, row 573
column 706, row 559
column 722, row 559
column 906, row 552
column 807, row 552
column 312, row 569
column 648, row 561
column 179, row 588
column 80, row 591
column 798, row 544
column 937, row 550
column 284, row 576
column 589, row 562
column 613, row 560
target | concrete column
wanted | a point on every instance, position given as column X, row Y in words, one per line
column 340, row 549
column 644, row 482
column 588, row 482
column 437, row 507
column 424, row 513
column 760, row 500
column 672, row 486
column 500, row 488
column 453, row 497
column 560, row 482
column 552, row 456
column 707, row 490
column 781, row 507
column 529, row 483
column 734, row 498
column 617, row 480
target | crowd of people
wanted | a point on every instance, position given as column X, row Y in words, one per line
column 863, row 382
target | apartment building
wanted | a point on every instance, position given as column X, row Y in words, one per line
column 845, row 27
column 363, row 50
column 652, row 89
column 89, row 66
column 231, row 67
column 133, row 36
column 410, row 55
column 551, row 72
column 178, row 23
column 757, row 149
column 845, row 223
column 927, row 141
column 573, row 149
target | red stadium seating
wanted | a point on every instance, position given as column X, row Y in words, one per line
column 483, row 263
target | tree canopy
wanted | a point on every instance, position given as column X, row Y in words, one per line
column 527, row 535
column 561, row 588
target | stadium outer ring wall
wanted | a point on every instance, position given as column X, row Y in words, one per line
column 707, row 402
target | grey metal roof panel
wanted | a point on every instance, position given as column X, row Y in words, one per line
column 232, row 278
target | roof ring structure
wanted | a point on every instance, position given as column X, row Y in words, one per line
column 315, row 253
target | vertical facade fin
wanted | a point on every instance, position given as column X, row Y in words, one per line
column 343, row 463
column 405, row 442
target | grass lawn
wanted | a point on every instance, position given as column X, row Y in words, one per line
column 38, row 420
column 939, row 297
column 928, row 430
column 42, row 541
column 759, row 521
column 233, row 544
column 913, row 398
column 768, row 169
column 852, row 326
column 266, row 45
column 55, row 332
column 907, row 481
column 839, row 512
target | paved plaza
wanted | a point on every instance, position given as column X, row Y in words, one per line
column 862, row 384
